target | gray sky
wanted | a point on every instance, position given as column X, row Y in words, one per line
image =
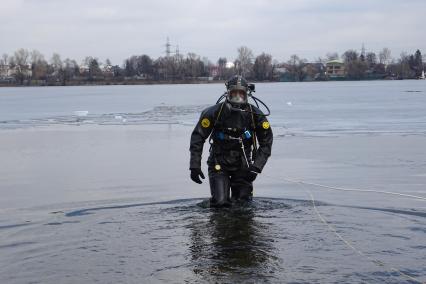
column 118, row 29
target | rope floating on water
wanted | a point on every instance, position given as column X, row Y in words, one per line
column 352, row 247
column 348, row 189
column 338, row 235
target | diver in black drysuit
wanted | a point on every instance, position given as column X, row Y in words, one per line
column 241, row 143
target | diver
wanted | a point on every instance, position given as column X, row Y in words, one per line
column 240, row 140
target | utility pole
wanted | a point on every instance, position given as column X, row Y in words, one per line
column 177, row 51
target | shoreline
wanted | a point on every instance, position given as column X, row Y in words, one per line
column 177, row 82
column 114, row 83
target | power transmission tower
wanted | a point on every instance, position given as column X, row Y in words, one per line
column 168, row 45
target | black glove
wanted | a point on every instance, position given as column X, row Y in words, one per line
column 251, row 173
column 196, row 174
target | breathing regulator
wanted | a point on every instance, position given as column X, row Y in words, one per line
column 238, row 92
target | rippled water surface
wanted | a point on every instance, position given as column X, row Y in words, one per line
column 270, row 240
column 94, row 187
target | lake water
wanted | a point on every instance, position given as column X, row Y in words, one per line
column 95, row 187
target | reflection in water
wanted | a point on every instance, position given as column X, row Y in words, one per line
column 231, row 243
column 176, row 241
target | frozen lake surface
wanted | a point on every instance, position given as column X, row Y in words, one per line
column 95, row 187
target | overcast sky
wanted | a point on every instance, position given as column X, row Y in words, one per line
column 212, row 28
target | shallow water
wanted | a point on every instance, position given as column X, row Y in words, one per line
column 107, row 198
column 271, row 240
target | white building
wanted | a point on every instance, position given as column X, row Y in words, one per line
column 7, row 71
column 4, row 70
column 84, row 68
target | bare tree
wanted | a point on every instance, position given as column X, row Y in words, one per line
column 179, row 63
column 87, row 60
column 371, row 58
column 244, row 60
column 262, row 67
column 21, row 57
column 350, row 56
column 4, row 59
column 332, row 56
column 404, row 71
column 322, row 60
column 416, row 63
column 355, row 65
column 94, row 69
column 11, row 61
column 221, row 63
column 4, row 70
column 20, row 62
column 56, row 62
column 71, row 69
column 144, row 65
column 194, row 67
column 39, row 65
column 385, row 56
column 296, row 68
column 36, row 56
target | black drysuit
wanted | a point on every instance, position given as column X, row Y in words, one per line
column 231, row 130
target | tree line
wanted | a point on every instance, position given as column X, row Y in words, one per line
column 26, row 67
column 360, row 65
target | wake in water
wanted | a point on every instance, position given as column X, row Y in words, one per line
column 169, row 114
column 187, row 114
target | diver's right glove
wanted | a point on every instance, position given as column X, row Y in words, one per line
column 196, row 173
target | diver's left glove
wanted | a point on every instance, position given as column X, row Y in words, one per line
column 251, row 174
column 196, row 173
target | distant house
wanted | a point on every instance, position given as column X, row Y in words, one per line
column 4, row 71
column 213, row 71
column 84, row 69
column 107, row 69
column 6, row 74
column 279, row 72
column 285, row 72
column 335, row 69
column 314, row 71
column 24, row 70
